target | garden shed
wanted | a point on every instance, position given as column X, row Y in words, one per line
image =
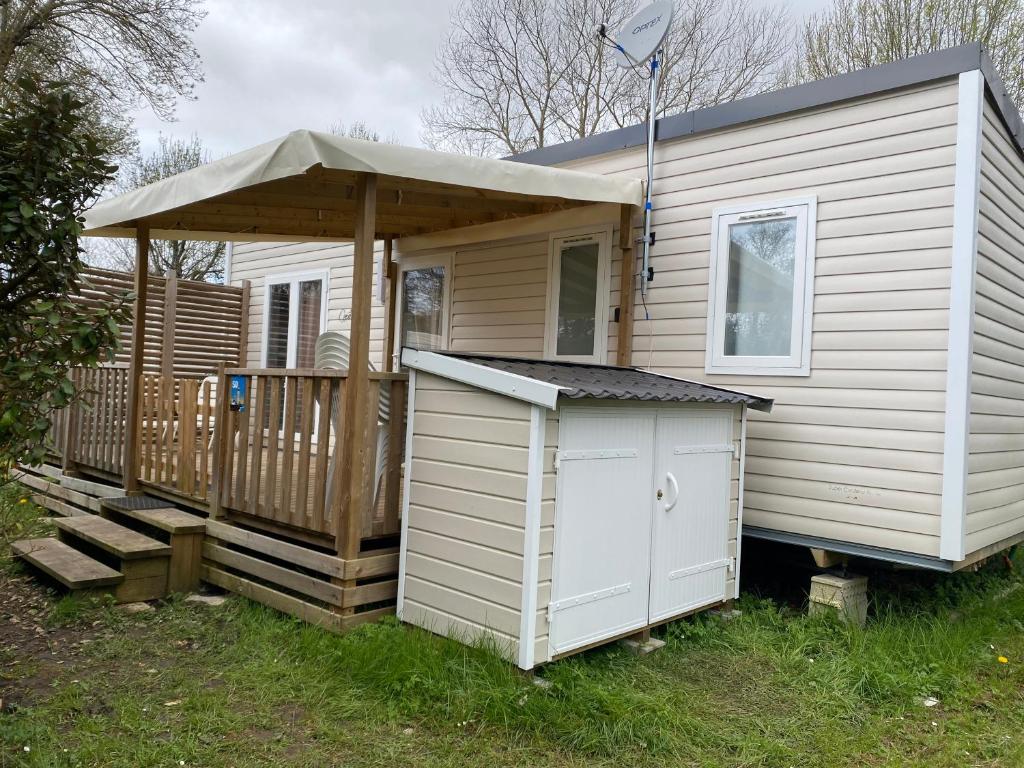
column 552, row 506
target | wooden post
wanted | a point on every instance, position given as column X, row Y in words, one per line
column 355, row 452
column 243, row 327
column 627, row 286
column 132, row 443
column 170, row 321
column 68, row 466
column 390, row 270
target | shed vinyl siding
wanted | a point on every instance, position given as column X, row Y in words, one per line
column 467, row 502
column 852, row 452
column 257, row 261
column 995, row 485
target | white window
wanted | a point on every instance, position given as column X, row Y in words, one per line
column 577, row 316
column 424, row 296
column 761, row 288
column 294, row 314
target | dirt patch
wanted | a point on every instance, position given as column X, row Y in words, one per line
column 33, row 652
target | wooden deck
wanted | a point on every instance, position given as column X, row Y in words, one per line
column 376, row 524
column 239, row 553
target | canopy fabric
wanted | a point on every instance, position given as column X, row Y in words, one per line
column 301, row 187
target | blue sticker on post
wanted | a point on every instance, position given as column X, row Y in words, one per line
column 238, row 386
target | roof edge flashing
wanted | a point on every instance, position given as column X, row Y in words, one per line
column 758, row 402
column 924, row 68
column 481, row 376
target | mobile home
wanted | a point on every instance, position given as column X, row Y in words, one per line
column 850, row 248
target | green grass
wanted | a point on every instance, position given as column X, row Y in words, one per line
column 244, row 686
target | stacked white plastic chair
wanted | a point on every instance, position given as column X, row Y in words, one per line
column 332, row 352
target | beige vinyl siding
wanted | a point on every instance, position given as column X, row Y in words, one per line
column 500, row 294
column 852, row 452
column 467, row 502
column 995, row 486
column 256, row 261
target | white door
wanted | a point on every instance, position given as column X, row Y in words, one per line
column 689, row 545
column 601, row 566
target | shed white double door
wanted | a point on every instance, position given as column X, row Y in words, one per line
column 641, row 519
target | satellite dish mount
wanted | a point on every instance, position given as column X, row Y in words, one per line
column 639, row 43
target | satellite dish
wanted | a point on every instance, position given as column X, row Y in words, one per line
column 640, row 37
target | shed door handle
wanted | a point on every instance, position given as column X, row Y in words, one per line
column 675, row 491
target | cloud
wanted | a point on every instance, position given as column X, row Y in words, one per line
column 273, row 66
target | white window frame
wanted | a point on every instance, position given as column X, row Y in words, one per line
column 424, row 261
column 602, row 236
column 798, row 362
column 294, row 278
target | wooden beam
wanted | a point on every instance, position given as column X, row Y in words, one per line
column 390, row 270
column 132, row 442
column 355, row 451
column 627, row 287
column 170, row 319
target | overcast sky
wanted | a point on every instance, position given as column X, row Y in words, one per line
column 276, row 65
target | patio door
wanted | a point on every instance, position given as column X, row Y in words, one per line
column 295, row 314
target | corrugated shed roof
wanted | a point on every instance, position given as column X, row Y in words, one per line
column 608, row 382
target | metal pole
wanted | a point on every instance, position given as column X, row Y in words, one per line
column 651, row 123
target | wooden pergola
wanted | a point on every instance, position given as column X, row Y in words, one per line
column 311, row 186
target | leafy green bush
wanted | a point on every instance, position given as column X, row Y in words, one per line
column 51, row 168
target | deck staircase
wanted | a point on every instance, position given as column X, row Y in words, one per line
column 135, row 548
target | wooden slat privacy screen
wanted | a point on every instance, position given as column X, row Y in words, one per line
column 205, row 320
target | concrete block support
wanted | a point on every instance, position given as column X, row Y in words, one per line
column 847, row 596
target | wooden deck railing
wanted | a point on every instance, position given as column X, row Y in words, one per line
column 281, row 457
column 177, row 434
column 278, row 459
column 94, row 429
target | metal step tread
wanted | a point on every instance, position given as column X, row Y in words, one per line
column 124, row 503
column 67, row 565
column 169, row 519
column 116, row 539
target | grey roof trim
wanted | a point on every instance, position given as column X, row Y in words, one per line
column 847, row 548
column 886, row 77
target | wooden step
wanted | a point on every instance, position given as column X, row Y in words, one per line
column 99, row 490
column 121, row 542
column 169, row 519
column 68, row 566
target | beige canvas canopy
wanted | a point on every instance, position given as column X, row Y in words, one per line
column 302, row 186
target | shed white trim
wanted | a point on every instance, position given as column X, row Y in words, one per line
column 502, row 382
column 966, row 190
column 406, row 487
column 531, row 539
column 739, row 497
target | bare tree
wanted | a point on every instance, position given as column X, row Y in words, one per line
column 116, row 53
column 188, row 259
column 520, row 74
column 854, row 34
column 360, row 130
